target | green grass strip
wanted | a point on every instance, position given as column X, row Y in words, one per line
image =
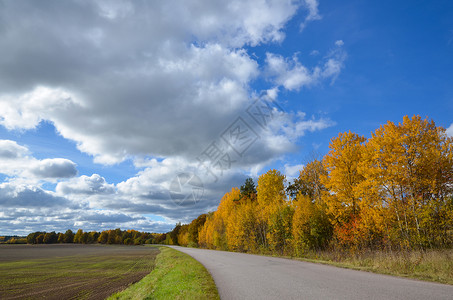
column 176, row 276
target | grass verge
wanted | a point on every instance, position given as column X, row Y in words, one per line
column 430, row 265
column 176, row 276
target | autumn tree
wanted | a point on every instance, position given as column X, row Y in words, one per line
column 342, row 180
column 342, row 177
column 78, row 236
column 60, row 238
column 248, row 222
column 111, row 237
column 93, row 237
column 183, row 235
column 270, row 202
column 50, row 238
column 40, row 238
column 408, row 169
column 309, row 181
column 394, row 189
column 194, row 228
column 31, row 238
column 69, row 236
column 214, row 233
column 103, row 237
column 172, row 238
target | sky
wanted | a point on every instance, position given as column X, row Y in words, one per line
column 139, row 115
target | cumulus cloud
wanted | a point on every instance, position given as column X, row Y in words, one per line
column 16, row 161
column 150, row 191
column 314, row 52
column 25, row 111
column 133, row 69
column 54, row 168
column 313, row 12
column 153, row 82
column 450, row 130
column 292, row 75
column 129, row 68
column 85, row 185
column 13, row 195
column 11, row 150
column 22, row 221
column 292, row 171
column 339, row 43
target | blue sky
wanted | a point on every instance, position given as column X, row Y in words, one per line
column 103, row 105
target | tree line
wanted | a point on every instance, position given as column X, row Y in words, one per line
column 389, row 192
column 114, row 236
column 12, row 239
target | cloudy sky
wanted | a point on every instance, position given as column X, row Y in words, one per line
column 142, row 114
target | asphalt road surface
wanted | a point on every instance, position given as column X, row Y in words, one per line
column 245, row 276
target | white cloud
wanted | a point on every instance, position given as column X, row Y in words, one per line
column 27, row 110
column 54, row 168
column 16, row 161
column 135, row 80
column 339, row 43
column 18, row 195
column 22, row 221
column 313, row 12
column 290, row 127
column 11, row 150
column 292, row 75
column 314, row 52
column 129, row 67
column 450, row 130
column 85, row 185
column 150, row 190
column 293, row 170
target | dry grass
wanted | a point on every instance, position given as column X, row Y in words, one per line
column 431, row 265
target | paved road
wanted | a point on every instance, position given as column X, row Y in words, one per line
column 245, row 276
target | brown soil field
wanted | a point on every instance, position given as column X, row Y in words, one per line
column 71, row 271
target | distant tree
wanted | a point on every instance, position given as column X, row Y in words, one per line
column 118, row 236
column 40, row 238
column 159, row 238
column 174, row 235
column 50, row 238
column 103, row 237
column 93, row 237
column 183, row 236
column 194, row 228
column 84, row 238
column 60, row 238
column 31, row 238
column 111, row 238
column 69, row 236
column 78, row 237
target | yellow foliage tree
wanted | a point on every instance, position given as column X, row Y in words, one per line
column 408, row 171
column 271, row 198
column 342, row 175
column 214, row 233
